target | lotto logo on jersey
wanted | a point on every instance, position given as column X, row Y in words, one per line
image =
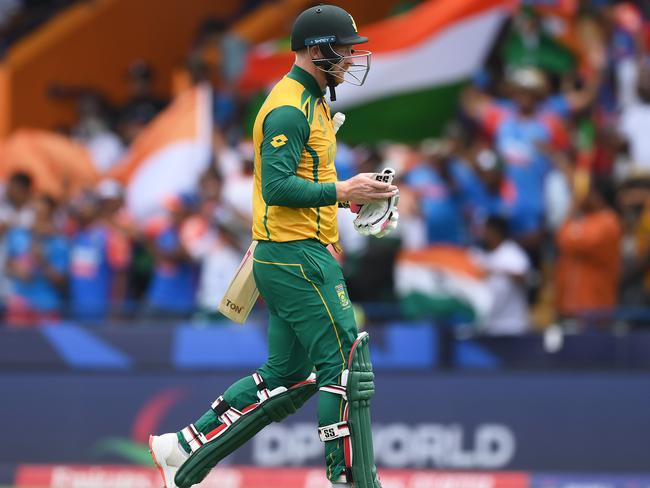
column 343, row 296
column 278, row 141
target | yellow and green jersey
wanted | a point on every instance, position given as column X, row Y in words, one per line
column 294, row 197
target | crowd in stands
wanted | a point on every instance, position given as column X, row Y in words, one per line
column 544, row 176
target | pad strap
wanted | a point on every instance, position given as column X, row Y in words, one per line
column 334, row 431
column 338, row 389
column 193, row 437
column 263, row 392
column 220, row 406
column 225, row 413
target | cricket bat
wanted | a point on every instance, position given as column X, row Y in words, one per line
column 242, row 292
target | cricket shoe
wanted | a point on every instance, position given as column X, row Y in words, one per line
column 168, row 455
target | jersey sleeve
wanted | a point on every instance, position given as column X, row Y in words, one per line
column 286, row 132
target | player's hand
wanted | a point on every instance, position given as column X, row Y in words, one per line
column 364, row 188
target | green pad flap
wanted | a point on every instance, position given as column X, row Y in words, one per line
column 360, row 389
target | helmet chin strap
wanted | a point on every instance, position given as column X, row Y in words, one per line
column 331, row 84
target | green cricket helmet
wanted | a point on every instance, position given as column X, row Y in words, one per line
column 324, row 24
column 328, row 26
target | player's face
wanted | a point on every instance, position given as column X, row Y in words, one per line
column 343, row 66
column 347, row 64
column 353, row 66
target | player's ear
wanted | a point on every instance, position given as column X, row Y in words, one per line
column 314, row 52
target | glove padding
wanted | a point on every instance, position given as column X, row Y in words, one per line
column 378, row 218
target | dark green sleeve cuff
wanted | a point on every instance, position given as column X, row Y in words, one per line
column 330, row 193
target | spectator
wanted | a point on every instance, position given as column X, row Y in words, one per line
column 16, row 209
column 99, row 260
column 507, row 267
column 589, row 263
column 220, row 258
column 441, row 183
column 173, row 286
column 217, row 239
column 36, row 266
column 112, row 210
column 15, row 212
column 496, row 195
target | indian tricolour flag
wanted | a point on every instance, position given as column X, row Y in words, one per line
column 170, row 155
column 420, row 61
column 442, row 282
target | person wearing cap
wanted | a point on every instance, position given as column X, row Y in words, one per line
column 295, row 205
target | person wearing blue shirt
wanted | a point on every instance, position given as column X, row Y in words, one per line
column 172, row 291
column 444, row 186
column 99, row 257
column 37, row 264
column 497, row 195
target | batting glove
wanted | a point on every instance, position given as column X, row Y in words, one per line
column 378, row 219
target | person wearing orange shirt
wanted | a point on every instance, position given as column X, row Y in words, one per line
column 589, row 262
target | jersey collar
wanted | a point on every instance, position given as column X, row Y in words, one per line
column 306, row 80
